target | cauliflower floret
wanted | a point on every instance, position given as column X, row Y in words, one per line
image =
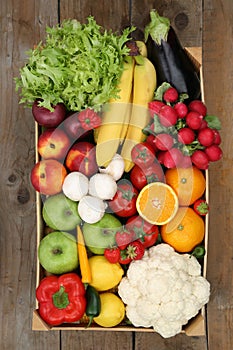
column 150, row 311
column 162, row 250
column 191, row 307
column 167, row 329
column 194, row 268
column 128, row 293
column 157, row 289
column 137, row 318
column 179, row 262
column 201, row 289
column 136, row 271
column 171, row 310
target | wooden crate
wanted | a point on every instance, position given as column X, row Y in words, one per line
column 195, row 327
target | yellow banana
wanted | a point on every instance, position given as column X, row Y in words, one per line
column 144, row 85
column 108, row 135
column 142, row 47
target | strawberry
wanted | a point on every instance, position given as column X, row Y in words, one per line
column 112, row 254
column 135, row 250
column 170, row 95
column 198, row 106
column 123, row 238
column 201, row 207
column 206, row 137
column 213, row 153
column 124, row 258
column 200, row 159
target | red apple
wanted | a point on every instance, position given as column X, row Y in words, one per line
column 82, row 157
column 47, row 176
column 45, row 117
column 53, row 143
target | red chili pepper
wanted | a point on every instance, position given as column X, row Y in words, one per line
column 89, row 119
column 61, row 299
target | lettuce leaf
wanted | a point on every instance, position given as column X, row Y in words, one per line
column 79, row 65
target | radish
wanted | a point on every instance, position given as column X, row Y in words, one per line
column 160, row 156
column 172, row 158
column 171, row 95
column 167, row 116
column 164, row 142
column 204, row 124
column 198, row 106
column 217, row 137
column 186, row 136
column 154, row 107
column 206, row 137
column 181, row 109
column 200, row 159
column 194, row 120
column 214, row 153
column 185, row 162
column 151, row 140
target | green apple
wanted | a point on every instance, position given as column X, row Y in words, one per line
column 61, row 213
column 57, row 252
column 101, row 234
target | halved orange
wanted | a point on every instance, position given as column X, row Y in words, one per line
column 157, row 203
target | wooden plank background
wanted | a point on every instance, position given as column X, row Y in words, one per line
column 197, row 22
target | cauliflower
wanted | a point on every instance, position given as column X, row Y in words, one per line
column 163, row 290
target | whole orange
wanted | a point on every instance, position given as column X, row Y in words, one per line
column 185, row 231
column 188, row 183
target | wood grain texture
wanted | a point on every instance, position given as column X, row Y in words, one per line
column 22, row 25
column 218, row 77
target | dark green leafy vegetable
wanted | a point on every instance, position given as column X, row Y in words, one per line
column 79, row 65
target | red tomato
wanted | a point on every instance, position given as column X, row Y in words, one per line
column 146, row 232
column 143, row 154
column 82, row 157
column 141, row 177
column 124, row 202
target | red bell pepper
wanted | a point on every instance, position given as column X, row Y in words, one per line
column 61, row 299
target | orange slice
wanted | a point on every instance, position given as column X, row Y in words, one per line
column 157, row 203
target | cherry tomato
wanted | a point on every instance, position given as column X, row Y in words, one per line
column 147, row 233
column 141, row 177
column 143, row 154
column 123, row 203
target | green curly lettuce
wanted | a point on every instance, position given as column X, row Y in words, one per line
column 78, row 65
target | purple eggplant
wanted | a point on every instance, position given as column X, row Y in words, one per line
column 172, row 63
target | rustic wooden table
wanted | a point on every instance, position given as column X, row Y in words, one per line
column 206, row 23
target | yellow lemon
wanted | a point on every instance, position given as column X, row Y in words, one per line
column 112, row 310
column 105, row 275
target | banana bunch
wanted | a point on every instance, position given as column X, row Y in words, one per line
column 124, row 118
column 115, row 118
